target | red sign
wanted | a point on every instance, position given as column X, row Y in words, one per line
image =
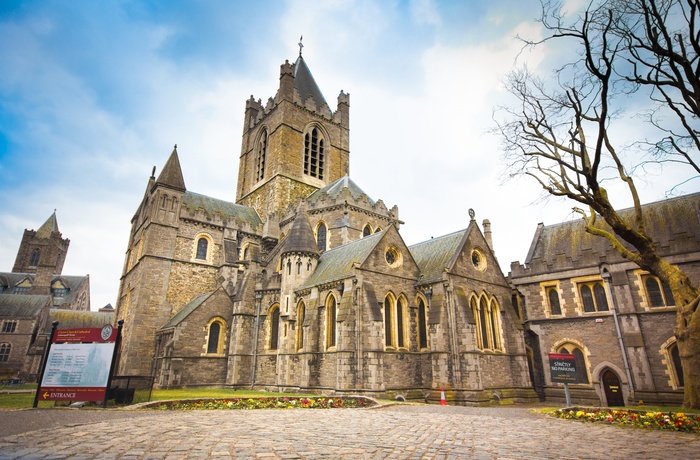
column 86, row 335
column 96, row 394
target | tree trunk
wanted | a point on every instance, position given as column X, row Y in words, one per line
column 687, row 332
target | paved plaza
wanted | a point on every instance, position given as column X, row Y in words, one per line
column 396, row 432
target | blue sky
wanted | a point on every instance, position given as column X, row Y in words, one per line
column 94, row 94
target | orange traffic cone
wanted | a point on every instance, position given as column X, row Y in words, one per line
column 443, row 401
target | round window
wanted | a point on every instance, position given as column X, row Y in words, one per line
column 478, row 260
column 392, row 256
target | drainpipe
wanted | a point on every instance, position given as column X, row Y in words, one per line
column 605, row 274
column 258, row 301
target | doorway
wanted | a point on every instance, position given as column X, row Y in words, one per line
column 613, row 389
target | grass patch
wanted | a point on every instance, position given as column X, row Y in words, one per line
column 26, row 400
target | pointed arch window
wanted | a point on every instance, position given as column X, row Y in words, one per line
column 579, row 361
column 593, row 297
column 658, row 293
column 274, row 327
column 394, row 323
column 422, row 325
column 215, row 340
column 261, row 156
column 554, row 305
column 676, row 365
column 314, row 154
column 331, row 317
column 202, row 246
column 488, row 323
column 367, row 231
column 321, row 235
column 35, row 258
column 301, row 313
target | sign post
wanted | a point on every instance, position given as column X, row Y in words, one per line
column 78, row 364
column 563, row 370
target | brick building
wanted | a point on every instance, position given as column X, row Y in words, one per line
column 579, row 296
column 305, row 282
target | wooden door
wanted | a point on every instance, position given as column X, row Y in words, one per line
column 613, row 389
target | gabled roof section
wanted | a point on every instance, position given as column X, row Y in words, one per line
column 186, row 310
column 334, row 188
column 336, row 264
column 171, row 175
column 230, row 211
column 300, row 238
column 50, row 226
column 436, row 255
column 306, row 85
column 674, row 224
column 17, row 305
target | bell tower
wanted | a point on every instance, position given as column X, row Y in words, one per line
column 293, row 145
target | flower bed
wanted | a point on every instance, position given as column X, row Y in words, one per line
column 678, row 421
column 291, row 402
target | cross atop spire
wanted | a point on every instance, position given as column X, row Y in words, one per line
column 301, row 45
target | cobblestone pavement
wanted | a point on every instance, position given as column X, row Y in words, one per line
column 396, row 432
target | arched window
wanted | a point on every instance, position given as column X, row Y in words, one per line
column 367, row 231
column 331, row 316
column 35, row 258
column 677, row 366
column 579, row 361
column 274, row 327
column 301, row 313
column 422, row 325
column 593, row 297
column 314, row 154
column 261, row 157
column 202, row 245
column 214, row 341
column 601, row 300
column 394, row 323
column 388, row 319
column 587, row 299
column 5, row 349
column 299, row 268
column 658, row 293
column 554, row 306
column 488, row 327
column 321, row 237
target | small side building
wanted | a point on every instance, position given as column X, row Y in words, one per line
column 580, row 296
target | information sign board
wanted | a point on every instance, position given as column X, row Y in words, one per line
column 562, row 368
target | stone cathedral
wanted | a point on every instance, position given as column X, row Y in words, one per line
column 305, row 283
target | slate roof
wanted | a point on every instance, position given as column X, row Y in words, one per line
column 171, row 175
column 186, row 310
column 336, row 264
column 71, row 282
column 433, row 256
column 306, row 85
column 17, row 305
column 228, row 210
column 300, row 238
column 334, row 188
column 50, row 226
column 673, row 223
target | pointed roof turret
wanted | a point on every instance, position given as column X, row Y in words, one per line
column 50, row 226
column 300, row 238
column 306, row 85
column 171, row 175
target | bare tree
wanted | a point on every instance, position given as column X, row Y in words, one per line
column 564, row 130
